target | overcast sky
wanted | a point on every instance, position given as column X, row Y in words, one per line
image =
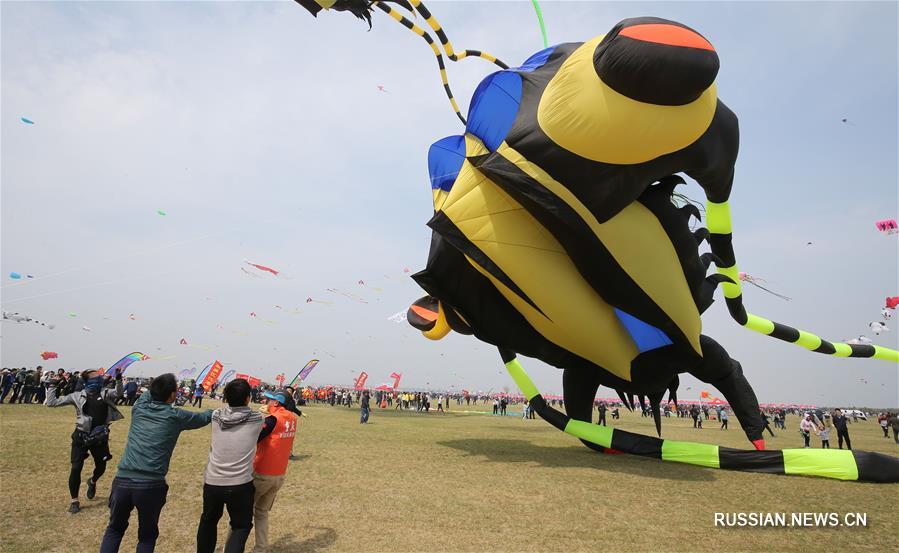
column 261, row 133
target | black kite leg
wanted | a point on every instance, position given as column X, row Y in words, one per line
column 579, row 392
column 726, row 374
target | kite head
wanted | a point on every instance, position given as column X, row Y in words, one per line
column 606, row 100
column 427, row 316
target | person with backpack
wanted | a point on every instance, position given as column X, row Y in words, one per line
column 228, row 481
column 94, row 410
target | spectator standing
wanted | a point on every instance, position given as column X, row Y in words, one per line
column 228, row 481
column 270, row 463
column 140, row 481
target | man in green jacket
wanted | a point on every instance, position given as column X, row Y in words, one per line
column 140, row 481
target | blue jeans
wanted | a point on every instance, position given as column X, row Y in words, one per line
column 363, row 415
column 126, row 494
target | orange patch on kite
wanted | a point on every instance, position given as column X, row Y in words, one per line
column 425, row 313
column 671, row 35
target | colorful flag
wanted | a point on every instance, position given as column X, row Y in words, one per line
column 396, row 379
column 360, row 382
column 304, row 372
column 212, row 376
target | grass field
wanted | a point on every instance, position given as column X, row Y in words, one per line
column 453, row 482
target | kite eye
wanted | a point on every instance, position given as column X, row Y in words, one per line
column 427, row 316
column 656, row 61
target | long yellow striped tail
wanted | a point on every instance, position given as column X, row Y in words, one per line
column 718, row 221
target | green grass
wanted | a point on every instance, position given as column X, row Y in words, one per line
column 453, row 482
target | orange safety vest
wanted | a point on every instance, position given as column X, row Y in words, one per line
column 273, row 452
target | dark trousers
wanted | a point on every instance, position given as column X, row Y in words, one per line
column 239, row 501
column 896, row 434
column 16, row 388
column 724, row 424
column 768, row 428
column 126, row 494
column 602, row 418
column 80, row 454
column 840, row 436
column 5, row 391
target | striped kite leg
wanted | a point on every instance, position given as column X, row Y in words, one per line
column 420, row 32
column 447, row 46
column 718, row 221
column 839, row 464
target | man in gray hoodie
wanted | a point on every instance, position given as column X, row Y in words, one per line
column 229, row 473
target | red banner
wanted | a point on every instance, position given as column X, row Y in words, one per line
column 253, row 381
column 396, row 379
column 215, row 371
column 360, row 382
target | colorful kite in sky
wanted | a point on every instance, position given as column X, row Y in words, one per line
column 264, row 268
column 887, row 226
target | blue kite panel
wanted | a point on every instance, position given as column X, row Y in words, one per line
column 646, row 336
column 494, row 106
column 445, row 158
column 536, row 61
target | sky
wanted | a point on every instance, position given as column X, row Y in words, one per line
column 261, row 132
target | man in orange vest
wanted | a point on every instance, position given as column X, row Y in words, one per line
column 270, row 464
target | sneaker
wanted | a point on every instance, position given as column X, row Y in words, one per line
column 91, row 488
column 74, row 507
column 293, row 457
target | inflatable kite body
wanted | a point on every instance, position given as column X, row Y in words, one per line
column 556, row 234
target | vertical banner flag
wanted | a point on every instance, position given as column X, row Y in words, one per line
column 360, row 382
column 304, row 372
column 396, row 379
column 212, row 376
column 253, row 381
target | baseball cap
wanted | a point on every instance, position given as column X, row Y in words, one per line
column 277, row 396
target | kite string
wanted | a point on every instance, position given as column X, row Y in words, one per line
column 95, row 284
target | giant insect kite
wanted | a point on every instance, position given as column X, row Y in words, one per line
column 555, row 235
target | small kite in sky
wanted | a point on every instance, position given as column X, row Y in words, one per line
column 27, row 121
column 15, row 276
column 381, row 88
column 745, row 277
column 860, row 341
column 132, row 317
column 161, row 212
column 399, row 317
column 892, row 302
column 887, row 226
column 407, row 270
column 49, row 355
column 264, row 268
column 86, row 328
column 886, row 313
column 73, row 315
column 183, row 342
column 252, row 313
column 878, row 327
